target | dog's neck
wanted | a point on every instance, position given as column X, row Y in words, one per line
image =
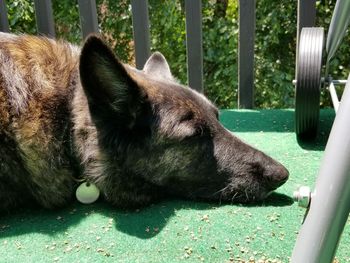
column 71, row 152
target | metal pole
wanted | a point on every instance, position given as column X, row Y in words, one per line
column 306, row 15
column 334, row 97
column 194, row 44
column 337, row 29
column 306, row 18
column 330, row 205
column 246, row 54
column 88, row 17
column 44, row 17
column 140, row 23
column 4, row 23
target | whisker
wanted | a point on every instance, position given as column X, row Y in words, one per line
column 219, row 191
column 234, row 196
column 246, row 194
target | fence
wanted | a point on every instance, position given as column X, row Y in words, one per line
column 89, row 23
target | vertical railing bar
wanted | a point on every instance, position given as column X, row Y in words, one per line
column 334, row 96
column 306, row 15
column 140, row 21
column 4, row 23
column 88, row 17
column 193, row 9
column 246, row 53
column 44, row 17
column 306, row 18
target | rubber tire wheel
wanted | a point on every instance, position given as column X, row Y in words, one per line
column 308, row 85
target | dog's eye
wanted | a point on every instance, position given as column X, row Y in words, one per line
column 201, row 131
column 187, row 117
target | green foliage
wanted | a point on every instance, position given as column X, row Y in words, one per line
column 21, row 16
column 116, row 26
column 168, row 34
column 220, row 43
column 275, row 53
column 66, row 15
column 274, row 45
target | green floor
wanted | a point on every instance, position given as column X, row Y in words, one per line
column 182, row 231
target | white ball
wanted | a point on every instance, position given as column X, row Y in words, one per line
column 87, row 193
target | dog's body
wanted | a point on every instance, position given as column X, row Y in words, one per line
column 67, row 113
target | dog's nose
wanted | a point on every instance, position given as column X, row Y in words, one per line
column 276, row 176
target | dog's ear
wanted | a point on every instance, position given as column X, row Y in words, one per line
column 157, row 66
column 112, row 94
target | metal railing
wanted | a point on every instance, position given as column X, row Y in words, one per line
column 140, row 18
column 89, row 24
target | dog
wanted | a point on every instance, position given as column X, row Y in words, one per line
column 69, row 114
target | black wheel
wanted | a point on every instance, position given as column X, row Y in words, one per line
column 308, row 85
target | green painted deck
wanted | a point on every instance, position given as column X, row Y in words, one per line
column 183, row 231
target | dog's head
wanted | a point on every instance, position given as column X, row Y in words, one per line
column 168, row 136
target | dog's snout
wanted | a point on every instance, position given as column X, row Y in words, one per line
column 276, row 175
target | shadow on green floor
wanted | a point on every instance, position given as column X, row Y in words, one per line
column 134, row 223
column 325, row 126
column 156, row 217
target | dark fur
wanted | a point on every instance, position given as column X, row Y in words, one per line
column 138, row 135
